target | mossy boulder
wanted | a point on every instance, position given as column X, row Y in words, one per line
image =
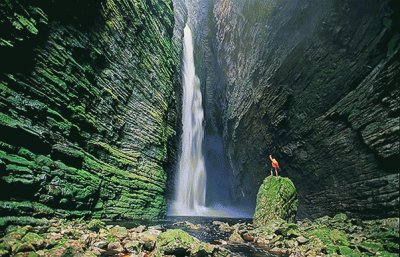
column 119, row 232
column 96, row 225
column 276, row 199
column 175, row 242
column 332, row 239
column 5, row 248
column 33, row 239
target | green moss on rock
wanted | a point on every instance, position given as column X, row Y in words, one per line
column 276, row 199
column 85, row 131
column 96, row 225
column 175, row 242
column 33, row 239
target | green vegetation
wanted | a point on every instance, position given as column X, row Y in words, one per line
column 276, row 199
column 81, row 138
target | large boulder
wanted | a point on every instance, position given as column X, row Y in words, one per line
column 276, row 199
column 176, row 242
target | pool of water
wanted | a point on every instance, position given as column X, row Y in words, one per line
column 207, row 233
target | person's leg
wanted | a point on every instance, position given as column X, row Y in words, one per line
column 271, row 172
column 276, row 172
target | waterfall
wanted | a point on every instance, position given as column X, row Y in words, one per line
column 190, row 186
column 191, row 183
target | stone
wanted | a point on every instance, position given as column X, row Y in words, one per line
column 26, row 254
column 52, row 230
column 33, row 239
column 223, row 226
column 155, row 227
column 202, row 249
column 115, row 247
column 276, row 199
column 97, row 251
column 175, row 242
column 149, row 240
column 23, row 247
column 95, row 225
column 340, row 217
column 5, row 247
column 279, row 251
column 221, row 242
column 291, row 244
column 72, row 248
column 248, row 237
column 101, row 244
column 119, row 232
column 133, row 246
column 301, row 239
column 188, row 225
column 338, row 237
column 91, row 254
column 236, row 238
column 154, row 232
column 270, row 236
column 138, row 229
column 346, row 251
column 371, row 247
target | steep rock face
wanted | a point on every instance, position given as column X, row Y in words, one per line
column 316, row 84
column 276, row 200
column 87, row 107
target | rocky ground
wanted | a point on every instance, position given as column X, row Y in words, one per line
column 78, row 238
column 326, row 236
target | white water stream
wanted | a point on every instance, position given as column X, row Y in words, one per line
column 191, row 183
column 190, row 186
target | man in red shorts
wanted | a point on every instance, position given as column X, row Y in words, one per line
column 275, row 166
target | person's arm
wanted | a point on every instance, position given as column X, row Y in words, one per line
column 270, row 157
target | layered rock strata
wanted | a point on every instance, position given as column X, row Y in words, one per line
column 87, row 107
column 315, row 84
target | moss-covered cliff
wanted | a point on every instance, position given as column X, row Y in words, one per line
column 315, row 83
column 87, row 107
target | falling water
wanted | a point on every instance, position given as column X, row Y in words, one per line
column 191, row 183
column 190, row 191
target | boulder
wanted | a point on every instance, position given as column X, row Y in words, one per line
column 148, row 240
column 33, row 239
column 133, row 246
column 236, row 238
column 276, row 199
column 115, row 248
column 95, row 225
column 188, row 225
column 175, row 242
column 119, row 232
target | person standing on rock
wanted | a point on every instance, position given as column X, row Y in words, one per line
column 275, row 165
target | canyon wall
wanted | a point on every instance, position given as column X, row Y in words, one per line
column 87, row 108
column 315, row 84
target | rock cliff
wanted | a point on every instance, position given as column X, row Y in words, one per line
column 316, row 84
column 87, row 107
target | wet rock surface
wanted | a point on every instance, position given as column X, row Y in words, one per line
column 87, row 108
column 326, row 236
column 316, row 85
column 77, row 238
